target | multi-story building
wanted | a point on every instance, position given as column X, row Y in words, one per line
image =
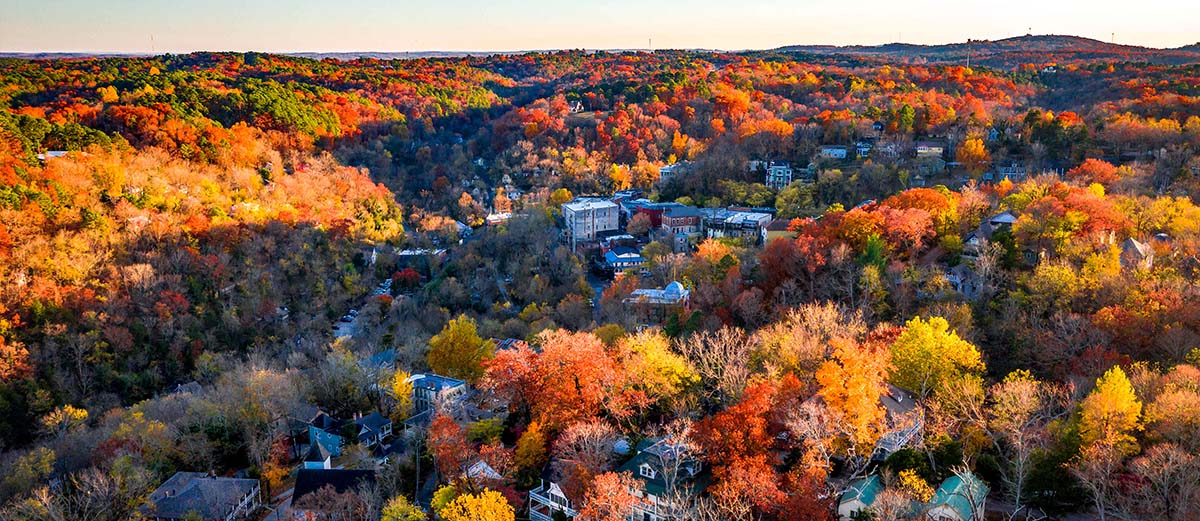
column 430, row 389
column 587, row 218
column 668, row 471
column 779, row 174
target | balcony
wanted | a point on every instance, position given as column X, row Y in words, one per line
column 542, row 506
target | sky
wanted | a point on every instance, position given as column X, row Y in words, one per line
column 176, row 26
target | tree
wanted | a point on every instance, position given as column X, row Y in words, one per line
column 14, row 360
column 400, row 509
column 1110, row 414
column 1094, row 171
column 402, row 391
column 851, row 384
column 611, row 497
column 584, row 450
column 1107, row 418
column 488, row 505
column 449, row 447
column 927, row 353
column 530, row 454
column 458, row 351
column 722, row 361
column 974, row 156
column 639, row 225
column 62, row 420
column 653, row 367
column 1021, row 411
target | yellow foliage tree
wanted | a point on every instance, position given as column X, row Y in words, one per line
column 928, row 353
column 458, row 351
column 974, row 156
column 400, row 509
column 402, row 391
column 656, row 369
column 1110, row 414
column 488, row 505
column 531, row 448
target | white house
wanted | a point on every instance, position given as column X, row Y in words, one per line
column 833, row 152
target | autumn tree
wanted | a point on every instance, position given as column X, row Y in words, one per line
column 851, row 385
column 458, row 351
column 531, row 450
column 400, row 509
column 488, row 505
column 584, row 451
column 401, row 389
column 928, row 353
column 1107, row 419
column 974, row 156
column 449, row 447
column 611, row 497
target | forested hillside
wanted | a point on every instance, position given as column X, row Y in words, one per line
column 211, row 217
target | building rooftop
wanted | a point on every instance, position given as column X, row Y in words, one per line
column 580, row 205
column 435, row 382
column 309, row 481
column 210, row 497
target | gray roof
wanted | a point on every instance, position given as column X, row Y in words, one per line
column 374, row 421
column 342, row 480
column 681, row 211
column 210, row 497
column 435, row 382
column 317, row 453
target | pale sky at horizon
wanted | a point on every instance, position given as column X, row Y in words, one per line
column 140, row 26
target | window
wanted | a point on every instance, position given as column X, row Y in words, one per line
column 647, row 471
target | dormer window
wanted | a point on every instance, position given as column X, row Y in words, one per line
column 647, row 471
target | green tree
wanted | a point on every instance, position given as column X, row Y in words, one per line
column 458, row 351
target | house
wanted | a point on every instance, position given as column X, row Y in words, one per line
column 510, row 344
column 192, row 495
column 833, row 152
column 318, row 457
column 547, row 500
column 330, row 441
column 959, row 498
column 664, row 468
column 964, row 280
column 587, row 218
column 669, row 172
column 463, row 230
column 777, row 229
column 373, row 428
column 621, row 258
column 681, row 219
column 778, row 175
column 903, row 417
column 1136, row 255
column 310, row 481
column 496, row 219
column 193, row 388
column 931, row 149
column 973, row 242
column 52, row 154
column 859, row 497
column 721, row 222
column 1015, row 173
column 863, row 148
column 430, row 389
column 672, row 295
